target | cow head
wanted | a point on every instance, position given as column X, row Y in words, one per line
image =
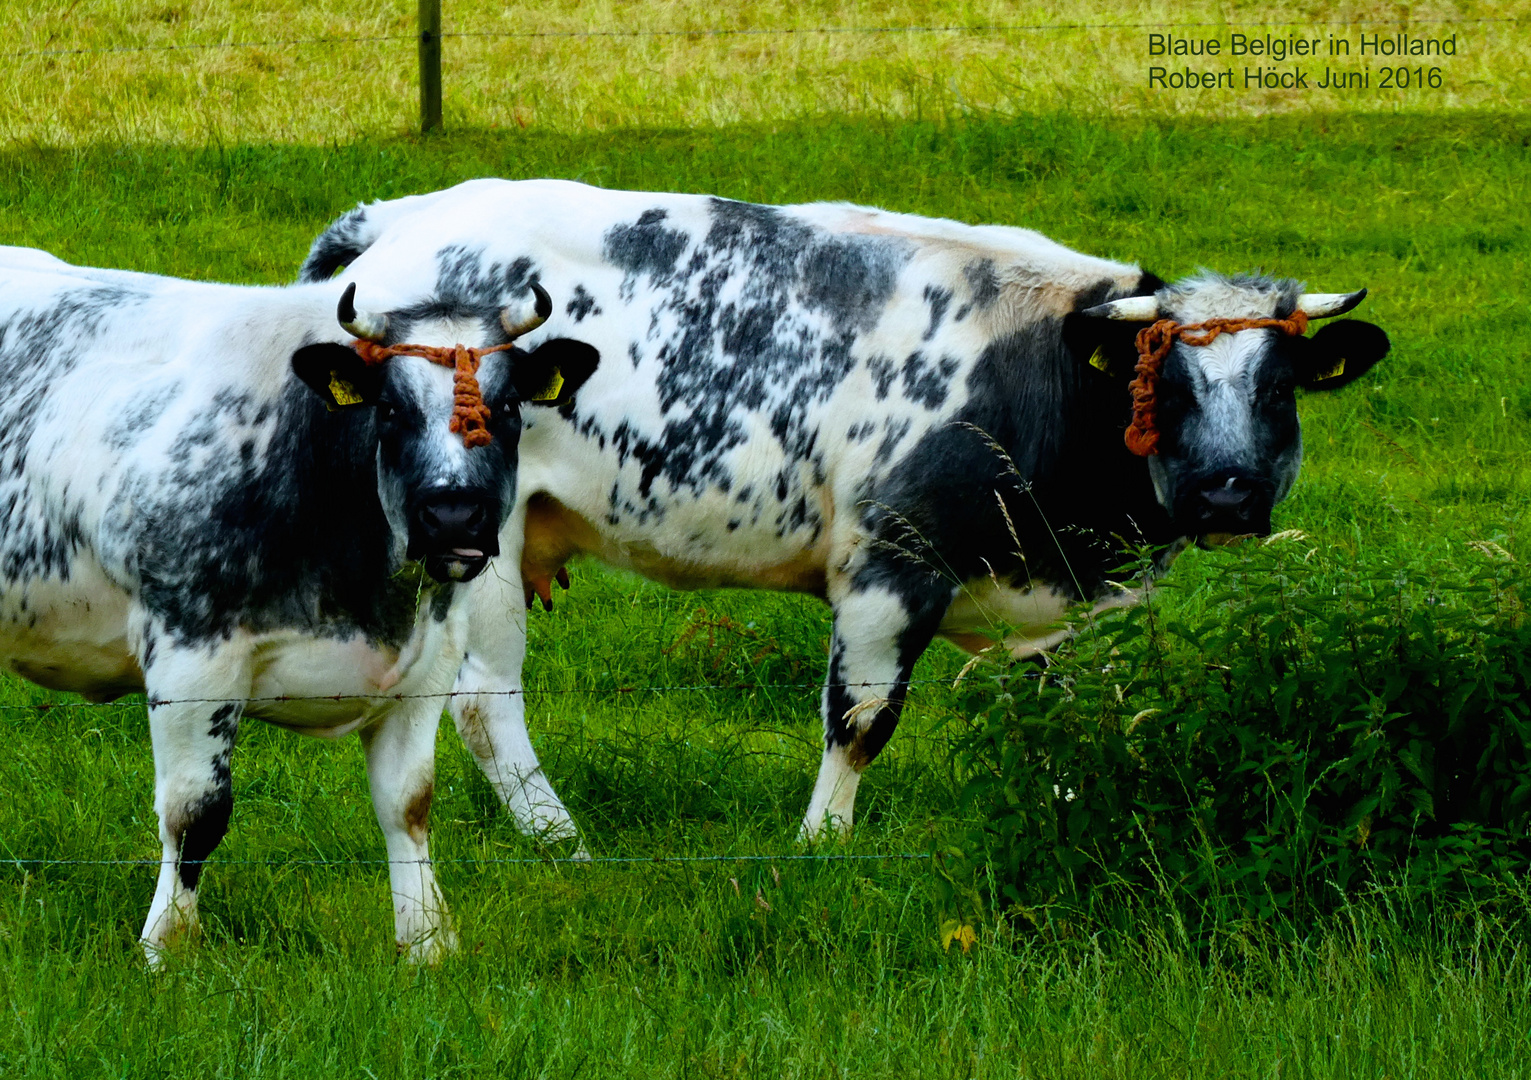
column 1229, row 445
column 445, row 496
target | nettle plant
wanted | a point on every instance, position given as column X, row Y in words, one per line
column 1310, row 732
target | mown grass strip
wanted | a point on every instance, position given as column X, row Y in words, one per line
column 116, row 70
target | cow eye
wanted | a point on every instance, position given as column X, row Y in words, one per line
column 1282, row 385
column 1173, row 395
column 386, row 412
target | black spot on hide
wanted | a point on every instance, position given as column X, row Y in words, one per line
column 983, row 282
column 766, row 310
column 645, row 248
column 582, row 304
column 939, row 300
column 37, row 348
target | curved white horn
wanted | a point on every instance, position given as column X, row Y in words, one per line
column 365, row 324
column 1321, row 305
column 526, row 315
column 1136, row 308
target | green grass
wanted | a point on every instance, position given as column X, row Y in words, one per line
column 722, row 989
column 667, row 969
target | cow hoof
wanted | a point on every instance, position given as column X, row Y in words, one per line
column 173, row 933
column 159, row 955
column 831, row 830
column 563, row 843
column 154, row 955
column 430, row 951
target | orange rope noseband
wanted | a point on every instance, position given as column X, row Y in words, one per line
column 470, row 416
column 1154, row 343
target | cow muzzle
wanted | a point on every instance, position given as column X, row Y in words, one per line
column 454, row 534
column 1225, row 504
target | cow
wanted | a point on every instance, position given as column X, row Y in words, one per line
column 211, row 496
column 924, row 423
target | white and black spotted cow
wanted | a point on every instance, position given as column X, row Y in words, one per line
column 811, row 398
column 183, row 516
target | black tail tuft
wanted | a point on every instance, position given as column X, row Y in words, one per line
column 346, row 238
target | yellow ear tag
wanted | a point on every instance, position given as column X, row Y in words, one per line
column 1098, row 360
column 1334, row 372
column 551, row 390
column 343, row 392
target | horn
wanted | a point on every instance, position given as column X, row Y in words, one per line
column 517, row 320
column 1136, row 308
column 1321, row 305
column 363, row 324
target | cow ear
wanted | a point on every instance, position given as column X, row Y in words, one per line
column 1340, row 354
column 551, row 373
column 1105, row 344
column 341, row 378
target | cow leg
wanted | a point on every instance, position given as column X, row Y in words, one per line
column 491, row 718
column 196, row 699
column 489, row 708
column 883, row 622
column 401, row 771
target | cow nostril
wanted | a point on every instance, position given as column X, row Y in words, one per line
column 453, row 534
column 452, row 515
column 1230, row 493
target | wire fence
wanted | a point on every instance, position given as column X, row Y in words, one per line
column 544, row 860
column 430, row 36
column 583, row 691
column 588, row 860
column 785, row 31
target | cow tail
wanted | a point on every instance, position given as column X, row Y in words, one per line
column 347, row 237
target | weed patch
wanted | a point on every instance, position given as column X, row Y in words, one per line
column 1312, row 732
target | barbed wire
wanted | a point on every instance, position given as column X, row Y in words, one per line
column 786, row 31
column 625, row 860
column 608, row 860
column 193, row 46
column 597, row 860
column 956, row 28
column 524, row 692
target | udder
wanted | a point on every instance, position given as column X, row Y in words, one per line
column 555, row 533
column 1030, row 620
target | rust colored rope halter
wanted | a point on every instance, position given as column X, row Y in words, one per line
column 1154, row 343
column 470, row 416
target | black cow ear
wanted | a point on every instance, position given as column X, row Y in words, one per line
column 553, row 372
column 1108, row 345
column 1340, row 353
column 340, row 377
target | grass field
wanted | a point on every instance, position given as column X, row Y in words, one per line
column 779, row 967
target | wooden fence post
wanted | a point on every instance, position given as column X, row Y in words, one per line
column 430, row 65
